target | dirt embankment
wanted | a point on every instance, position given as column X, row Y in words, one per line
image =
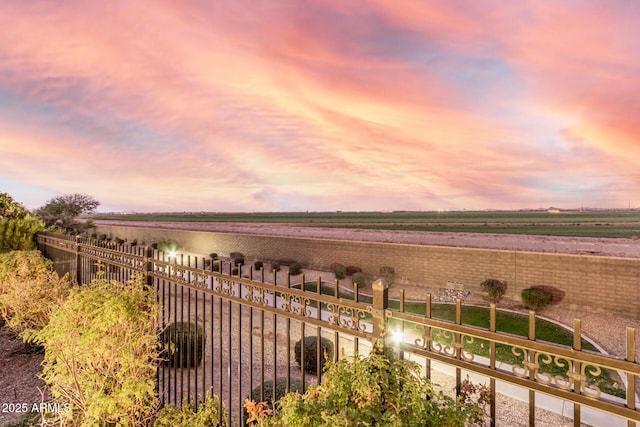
column 628, row 248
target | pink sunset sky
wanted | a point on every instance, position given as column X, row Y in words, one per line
column 319, row 105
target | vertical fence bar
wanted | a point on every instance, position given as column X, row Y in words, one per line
column 532, row 375
column 577, row 388
column 492, row 365
column 631, row 379
column 427, row 334
column 458, row 346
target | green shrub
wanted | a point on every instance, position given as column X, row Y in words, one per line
column 134, row 242
column 388, row 273
column 275, row 266
column 295, row 268
column 238, row 261
column 378, row 390
column 535, row 298
column 18, row 234
column 351, row 270
column 153, row 245
column 213, row 255
column 119, row 241
column 30, row 290
column 207, row 415
column 358, row 279
column 339, row 270
column 494, row 288
column 103, row 237
column 184, row 344
column 271, row 394
column 258, row 265
column 311, row 353
column 94, row 236
column 101, row 351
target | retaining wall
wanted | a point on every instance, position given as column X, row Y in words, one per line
column 599, row 284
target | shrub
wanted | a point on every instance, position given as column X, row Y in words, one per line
column 380, row 389
column 18, row 234
column 275, row 266
column 134, row 242
column 494, row 288
column 388, row 273
column 535, row 298
column 183, row 343
column 119, row 241
column 207, row 415
column 295, row 269
column 339, row 270
column 103, row 237
column 213, row 255
column 286, row 262
column 238, row 261
column 311, row 353
column 358, row 279
column 351, row 270
column 101, row 350
column 258, row 265
column 94, row 236
column 271, row 394
column 30, row 290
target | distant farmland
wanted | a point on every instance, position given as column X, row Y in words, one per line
column 616, row 224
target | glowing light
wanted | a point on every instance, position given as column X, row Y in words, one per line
column 397, row 336
column 172, row 254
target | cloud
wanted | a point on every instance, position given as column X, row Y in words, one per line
column 276, row 106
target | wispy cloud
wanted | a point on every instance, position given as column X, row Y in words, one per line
column 321, row 105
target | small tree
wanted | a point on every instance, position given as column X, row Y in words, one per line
column 62, row 211
column 494, row 288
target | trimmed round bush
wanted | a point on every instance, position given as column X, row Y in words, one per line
column 351, row 270
column 494, row 288
column 258, row 265
column 275, row 266
column 535, row 298
column 339, row 270
column 238, row 261
column 272, row 394
column 295, row 268
column 213, row 255
column 187, row 340
column 311, row 353
column 358, row 279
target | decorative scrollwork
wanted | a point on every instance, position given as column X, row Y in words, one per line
column 441, row 342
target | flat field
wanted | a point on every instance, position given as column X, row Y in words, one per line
column 612, row 224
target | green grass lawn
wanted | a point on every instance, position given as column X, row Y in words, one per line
column 507, row 322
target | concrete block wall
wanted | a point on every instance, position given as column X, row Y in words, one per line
column 599, row 284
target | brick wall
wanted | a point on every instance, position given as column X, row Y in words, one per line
column 600, row 284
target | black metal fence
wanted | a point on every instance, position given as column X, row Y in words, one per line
column 238, row 331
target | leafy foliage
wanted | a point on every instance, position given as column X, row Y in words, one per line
column 62, row 212
column 535, row 298
column 295, row 268
column 17, row 225
column 30, row 290
column 258, row 265
column 388, row 273
column 186, row 339
column 378, row 390
column 273, row 392
column 311, row 353
column 207, row 415
column 101, row 352
column 339, row 270
column 494, row 288
column 358, row 278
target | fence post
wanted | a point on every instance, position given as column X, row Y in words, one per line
column 78, row 272
column 380, row 303
column 148, row 266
